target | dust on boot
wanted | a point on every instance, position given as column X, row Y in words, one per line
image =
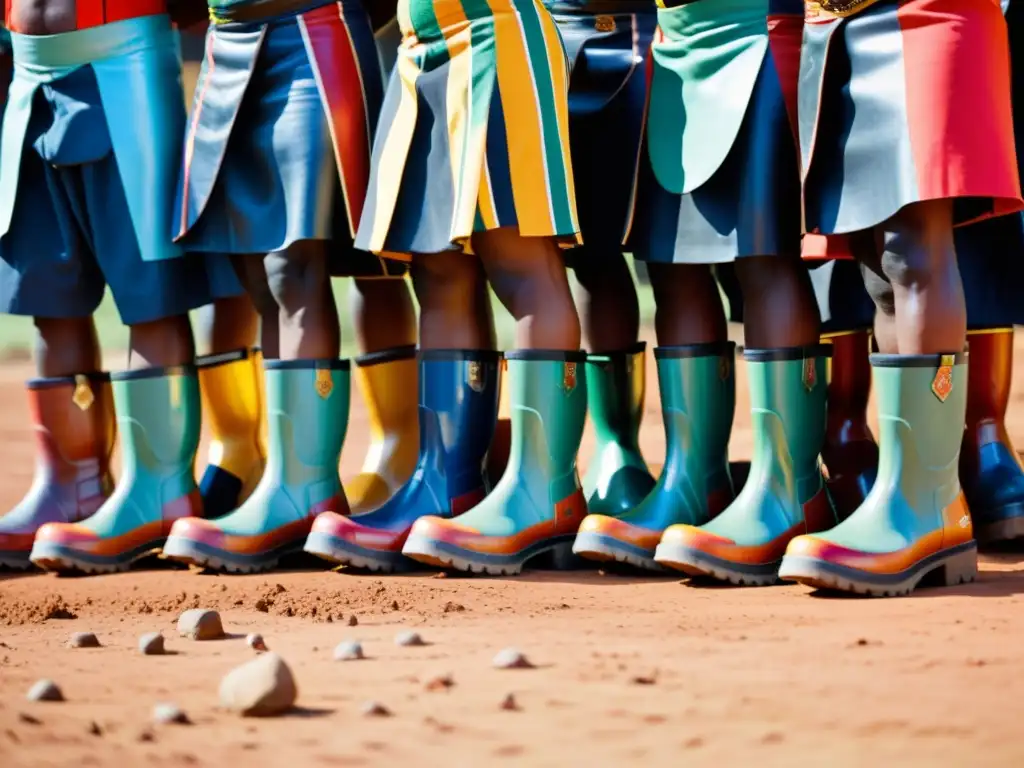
column 850, row 453
column 74, row 425
column 784, row 495
column 457, row 413
column 990, row 469
column 915, row 520
column 387, row 380
column 538, row 505
column 158, row 419
column 307, row 417
column 232, row 399
column 698, row 401
column 617, row 479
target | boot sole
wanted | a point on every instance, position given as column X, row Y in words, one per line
column 54, row 557
column 595, row 546
column 342, row 552
column 693, row 562
column 1008, row 528
column 14, row 561
column 203, row 556
column 958, row 565
column 444, row 555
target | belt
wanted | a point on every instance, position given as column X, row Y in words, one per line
column 263, row 10
column 836, row 8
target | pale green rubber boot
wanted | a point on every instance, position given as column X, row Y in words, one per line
column 698, row 400
column 617, row 479
column 784, row 495
column 307, row 417
column 915, row 522
column 538, row 504
column 158, row 420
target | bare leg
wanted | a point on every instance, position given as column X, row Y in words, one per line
column 455, row 308
column 161, row 343
column 689, row 307
column 65, row 347
column 226, row 325
column 609, row 308
column 383, row 314
column 779, row 306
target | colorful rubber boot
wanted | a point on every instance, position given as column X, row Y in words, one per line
column 501, row 444
column 698, row 399
column 307, row 416
column 990, row 469
column 158, row 417
column 458, row 409
column 850, row 453
column 539, row 504
column 232, row 398
column 915, row 520
column 784, row 495
column 617, row 480
column 74, row 424
column 387, row 380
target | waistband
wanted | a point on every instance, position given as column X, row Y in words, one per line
column 598, row 7
column 260, row 11
column 84, row 46
column 95, row 13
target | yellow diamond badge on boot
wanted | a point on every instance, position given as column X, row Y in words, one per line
column 83, row 396
column 475, row 374
column 810, row 374
column 324, row 382
column 569, row 377
column 942, row 384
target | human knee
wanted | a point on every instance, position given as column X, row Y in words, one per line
column 297, row 276
column 881, row 292
column 448, row 277
column 600, row 268
column 918, row 246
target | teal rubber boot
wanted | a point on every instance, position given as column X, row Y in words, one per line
column 915, row 522
column 538, row 504
column 158, row 420
column 617, row 479
column 307, row 417
column 784, row 495
column 698, row 400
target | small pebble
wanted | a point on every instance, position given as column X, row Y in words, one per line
column 511, row 658
column 259, row 688
column 409, row 638
column 170, row 714
column 200, row 624
column 510, row 704
column 353, row 621
column 255, row 641
column 94, row 729
column 45, row 690
column 151, row 644
column 374, row 709
column 146, row 735
column 440, row 683
column 349, row 650
column 83, row 640
column 644, row 679
column 25, row 717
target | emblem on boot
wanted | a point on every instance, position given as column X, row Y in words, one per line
column 475, row 376
column 83, row 396
column 942, row 384
column 569, row 377
column 810, row 374
column 324, row 383
column 604, row 24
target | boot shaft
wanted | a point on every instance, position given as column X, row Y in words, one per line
column 990, row 375
column 616, row 389
column 388, row 383
column 698, row 382
column 158, row 416
column 849, row 388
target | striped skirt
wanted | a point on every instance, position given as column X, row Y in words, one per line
column 904, row 102
column 277, row 148
column 719, row 179
column 474, row 132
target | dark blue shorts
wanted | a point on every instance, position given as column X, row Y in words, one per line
column 71, row 236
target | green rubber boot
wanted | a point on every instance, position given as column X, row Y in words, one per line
column 784, row 495
column 698, row 399
column 617, row 479
column 158, row 420
column 915, row 521
column 307, row 417
column 538, row 504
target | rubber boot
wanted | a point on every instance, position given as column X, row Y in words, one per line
column 232, row 398
column 501, row 444
column 457, row 413
column 990, row 469
column 387, row 381
column 158, row 417
column 617, row 480
column 850, row 453
column 915, row 520
column 539, row 504
column 75, row 428
column 698, row 400
column 784, row 495
column 307, row 416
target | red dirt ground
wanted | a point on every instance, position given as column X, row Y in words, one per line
column 630, row 669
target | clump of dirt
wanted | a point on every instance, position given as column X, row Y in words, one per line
column 51, row 607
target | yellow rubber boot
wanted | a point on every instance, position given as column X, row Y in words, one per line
column 388, row 381
column 231, row 388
